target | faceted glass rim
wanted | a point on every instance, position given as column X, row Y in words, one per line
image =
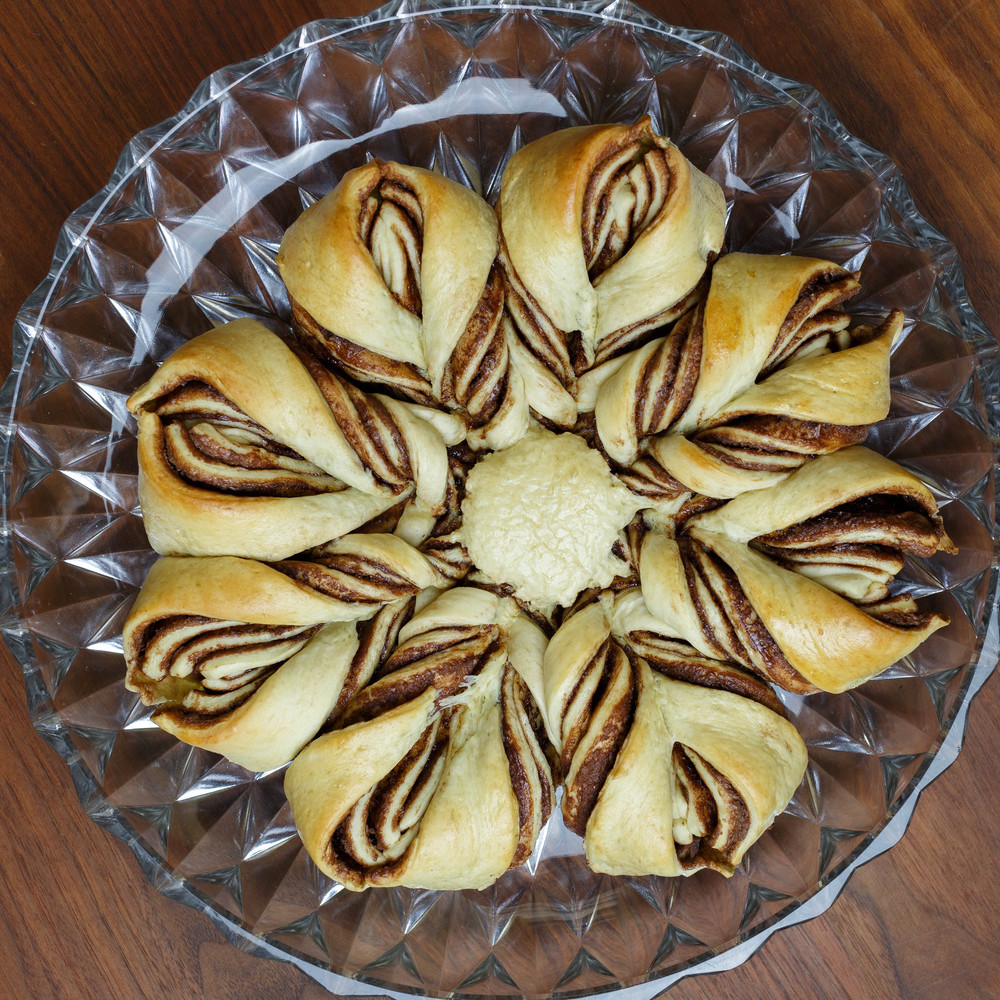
column 719, row 47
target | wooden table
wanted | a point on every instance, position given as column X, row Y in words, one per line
column 917, row 79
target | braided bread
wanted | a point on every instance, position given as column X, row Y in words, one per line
column 438, row 777
column 760, row 377
column 393, row 281
column 605, row 235
column 247, row 448
column 242, row 660
column 672, row 761
column 794, row 583
column 755, row 541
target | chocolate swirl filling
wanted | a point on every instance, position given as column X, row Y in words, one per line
column 560, row 352
column 594, row 726
column 858, row 548
column 442, row 548
column 477, row 377
column 209, row 441
column 815, row 322
column 776, row 444
column 525, row 743
column 626, row 190
column 380, row 827
column 364, row 366
column 664, row 387
column 392, row 226
column 625, row 193
column 680, row 660
column 716, row 819
column 367, row 425
column 205, row 666
column 353, row 576
column 376, row 639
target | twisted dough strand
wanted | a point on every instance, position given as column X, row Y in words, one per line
column 794, row 583
column 672, row 761
column 230, row 465
column 364, row 571
column 438, row 776
column 760, row 377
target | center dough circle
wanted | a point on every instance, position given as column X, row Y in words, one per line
column 544, row 515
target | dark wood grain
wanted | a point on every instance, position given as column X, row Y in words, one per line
column 917, row 79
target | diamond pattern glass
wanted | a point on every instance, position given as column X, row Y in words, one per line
column 184, row 238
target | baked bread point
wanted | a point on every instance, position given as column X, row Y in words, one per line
column 796, row 582
column 393, row 281
column 438, row 777
column 761, row 376
column 606, row 231
column 239, row 659
column 672, row 761
column 248, row 447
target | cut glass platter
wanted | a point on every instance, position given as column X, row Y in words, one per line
column 184, row 238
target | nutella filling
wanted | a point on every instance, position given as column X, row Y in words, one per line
column 204, row 666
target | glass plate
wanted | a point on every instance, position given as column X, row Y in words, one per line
column 184, row 237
